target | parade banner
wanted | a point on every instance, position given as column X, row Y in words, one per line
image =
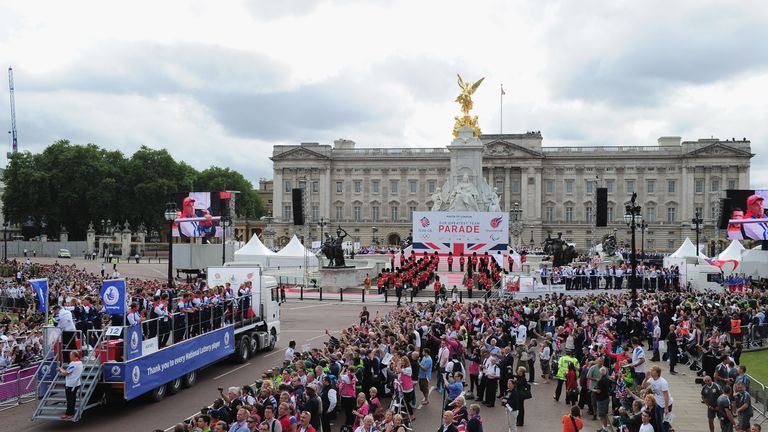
column 113, row 296
column 133, row 344
column 219, row 276
column 146, row 373
column 41, row 289
column 460, row 232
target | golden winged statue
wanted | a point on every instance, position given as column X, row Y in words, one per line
column 465, row 99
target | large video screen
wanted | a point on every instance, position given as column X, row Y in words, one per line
column 199, row 215
column 746, row 215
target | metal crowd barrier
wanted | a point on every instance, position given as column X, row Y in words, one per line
column 759, row 394
column 17, row 386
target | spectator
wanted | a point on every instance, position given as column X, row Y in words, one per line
column 511, row 402
column 572, row 422
column 305, row 425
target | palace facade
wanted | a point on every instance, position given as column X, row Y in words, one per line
column 372, row 192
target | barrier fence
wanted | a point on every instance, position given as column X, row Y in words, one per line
column 17, row 386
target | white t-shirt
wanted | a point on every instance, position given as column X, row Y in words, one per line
column 65, row 320
column 637, row 354
column 658, row 387
column 74, row 371
column 289, row 354
column 647, row 427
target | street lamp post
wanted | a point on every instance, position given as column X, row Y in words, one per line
column 516, row 225
column 226, row 222
column 322, row 223
column 643, row 226
column 696, row 223
column 5, row 241
column 170, row 216
column 532, row 242
column 632, row 219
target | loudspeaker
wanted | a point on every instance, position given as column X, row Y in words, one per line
column 602, row 207
column 298, row 206
column 726, row 208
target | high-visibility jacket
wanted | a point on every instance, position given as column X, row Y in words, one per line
column 562, row 365
column 735, row 326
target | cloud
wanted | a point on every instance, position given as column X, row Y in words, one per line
column 637, row 56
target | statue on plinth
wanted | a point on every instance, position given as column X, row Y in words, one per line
column 493, row 202
column 437, row 200
column 338, row 247
column 327, row 249
column 464, row 196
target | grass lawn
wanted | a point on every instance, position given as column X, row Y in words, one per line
column 757, row 365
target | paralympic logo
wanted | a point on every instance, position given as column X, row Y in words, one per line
column 495, row 222
column 111, row 296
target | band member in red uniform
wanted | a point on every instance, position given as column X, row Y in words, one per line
column 437, row 287
column 462, row 260
column 450, row 261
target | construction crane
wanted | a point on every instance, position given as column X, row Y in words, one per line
column 14, row 137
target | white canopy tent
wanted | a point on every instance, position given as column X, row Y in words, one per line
column 686, row 250
column 732, row 252
column 754, row 262
column 292, row 255
column 254, row 252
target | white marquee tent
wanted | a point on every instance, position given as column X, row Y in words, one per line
column 254, row 252
column 292, row 255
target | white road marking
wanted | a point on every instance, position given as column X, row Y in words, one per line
column 233, row 370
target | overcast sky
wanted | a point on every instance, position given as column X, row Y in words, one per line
column 220, row 82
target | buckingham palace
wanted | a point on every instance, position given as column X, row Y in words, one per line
column 372, row 192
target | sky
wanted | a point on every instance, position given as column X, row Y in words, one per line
column 220, row 83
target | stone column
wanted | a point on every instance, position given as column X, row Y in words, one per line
column 63, row 235
column 125, row 242
column 507, row 188
column 277, row 194
column 90, row 239
column 141, row 235
column 524, row 194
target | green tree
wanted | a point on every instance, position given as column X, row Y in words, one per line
column 247, row 204
column 72, row 185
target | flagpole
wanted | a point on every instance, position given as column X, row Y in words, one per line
column 501, row 110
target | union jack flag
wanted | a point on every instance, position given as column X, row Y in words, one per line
column 457, row 248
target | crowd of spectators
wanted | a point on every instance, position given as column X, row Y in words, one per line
column 597, row 347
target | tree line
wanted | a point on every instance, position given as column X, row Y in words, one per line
column 68, row 186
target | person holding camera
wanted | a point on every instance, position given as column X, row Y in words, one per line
column 511, row 401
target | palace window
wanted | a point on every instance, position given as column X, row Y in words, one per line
column 671, row 214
